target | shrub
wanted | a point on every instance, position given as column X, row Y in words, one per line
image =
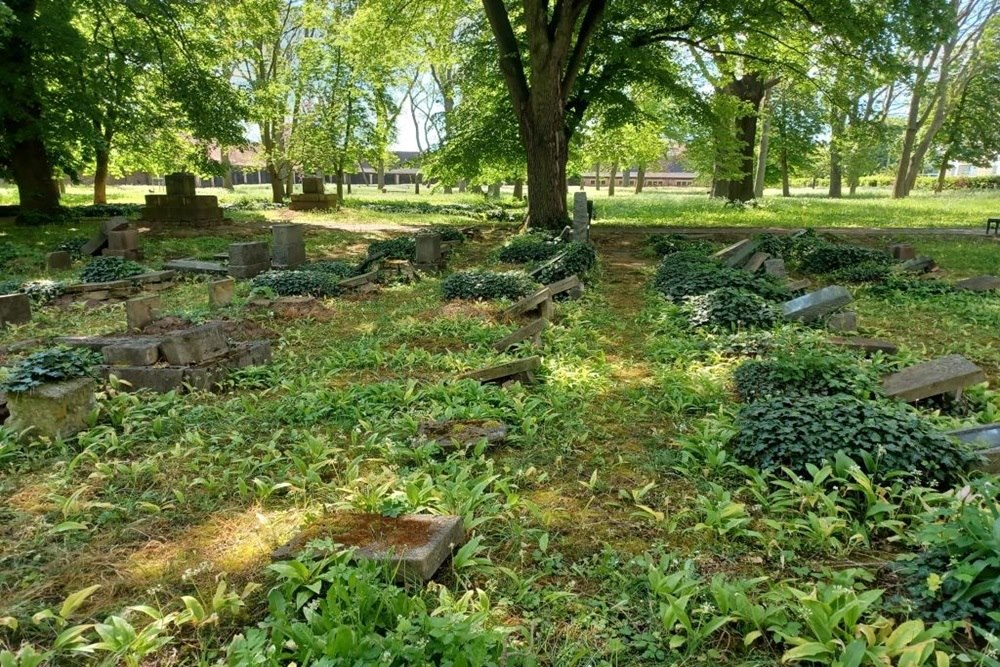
column 43, row 291
column 661, row 245
column 403, row 247
column 825, row 257
column 335, row 268
column 487, row 285
column 865, row 272
column 449, row 234
column 39, row 218
column 52, row 365
column 896, row 284
column 685, row 274
column 730, row 309
column 10, row 286
column 108, row 269
column 297, row 283
column 804, row 371
column 794, row 431
column 532, row 247
column 73, row 246
column 576, row 258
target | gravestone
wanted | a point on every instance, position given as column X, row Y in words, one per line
column 918, row 265
column 313, row 196
column 247, row 260
column 95, row 245
column 460, row 433
column 181, row 205
column 986, row 439
column 944, row 375
column 572, row 286
column 138, row 353
column 355, row 282
column 737, row 254
column 532, row 330
column 192, row 265
column 798, row 285
column 816, row 304
column 15, row 309
column 123, row 243
column 58, row 260
column 521, row 370
column 194, row 346
column 140, row 312
column 416, row 545
column 429, row 255
column 312, row 185
column 538, row 305
column 902, row 251
column 845, row 322
column 756, row 261
column 116, row 224
column 979, row 284
column 52, row 410
column 220, row 292
column 867, row 345
column 775, row 267
column 288, row 246
column 581, row 218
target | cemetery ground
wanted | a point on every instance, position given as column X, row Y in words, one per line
column 613, row 526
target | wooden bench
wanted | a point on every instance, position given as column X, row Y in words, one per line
column 993, row 223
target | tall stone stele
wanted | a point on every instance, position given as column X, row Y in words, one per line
column 181, row 206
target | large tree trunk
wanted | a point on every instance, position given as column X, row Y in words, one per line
column 943, row 171
column 20, row 122
column 380, row 172
column 611, row 179
column 749, row 88
column 101, row 175
column 627, row 177
column 543, row 132
column 640, row 179
column 277, row 183
column 786, row 191
column 227, row 170
column 836, row 164
column 597, row 176
column 765, row 135
column 519, row 188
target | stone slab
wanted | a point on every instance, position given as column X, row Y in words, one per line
column 249, row 254
column 141, row 353
column 846, row 322
column 180, row 183
column 987, row 440
column 53, row 410
column 194, row 346
column 58, row 260
column 775, row 267
column 415, row 544
column 95, row 245
column 738, row 253
column 220, row 292
column 460, row 433
column 552, row 262
column 123, row 239
column 358, row 281
column 191, row 265
column 288, row 246
column 979, row 284
column 816, row 304
column 867, row 345
column 140, row 312
column 902, row 251
column 933, row 378
column 521, row 368
column 572, row 285
column 247, row 271
column 115, row 224
column 15, row 309
column 98, row 343
column 530, row 330
column 756, row 261
column 798, row 285
column 918, row 265
column 539, row 303
column 429, row 254
column 312, row 185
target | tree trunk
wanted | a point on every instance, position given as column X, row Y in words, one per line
column 765, row 135
column 626, row 177
column 277, row 185
column 836, row 165
column 101, row 175
column 786, row 191
column 380, row 171
column 942, row 172
column 289, row 182
column 518, row 189
column 611, row 179
column 416, row 184
column 462, row 186
column 227, row 170
column 750, row 89
column 640, row 179
column 597, row 175
column 340, row 184
column 852, row 184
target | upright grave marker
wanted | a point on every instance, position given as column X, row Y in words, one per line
column 288, row 246
column 581, row 218
column 15, row 309
column 181, row 205
column 140, row 312
column 313, row 196
column 429, row 254
column 220, row 292
column 247, row 260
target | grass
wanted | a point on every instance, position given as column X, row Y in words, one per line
column 610, row 508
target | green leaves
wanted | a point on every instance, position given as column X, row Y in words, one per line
column 487, row 285
column 51, row 365
column 109, row 269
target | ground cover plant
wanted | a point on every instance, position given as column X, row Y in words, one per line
column 621, row 523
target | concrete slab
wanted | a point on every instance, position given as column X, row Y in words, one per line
column 816, row 304
column 933, row 378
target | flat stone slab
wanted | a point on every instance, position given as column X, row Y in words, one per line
column 540, row 302
column 933, row 378
column 207, row 376
column 775, row 267
column 522, row 370
column 552, row 262
column 736, row 254
column 194, row 346
column 531, row 330
column 756, row 261
column 53, row 410
column 460, row 433
column 979, row 284
column 98, row 343
column 191, row 265
column 845, row 322
column 132, row 354
column 416, row 544
column 987, row 440
column 816, row 304
column 572, row 285
column 358, row 281
column 918, row 265
column 868, row 345
column 798, row 285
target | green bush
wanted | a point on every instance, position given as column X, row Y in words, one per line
column 334, row 267
column 18, row 259
column 487, row 285
column 403, row 247
column 52, row 365
column 43, row 291
column 74, row 246
column 449, row 234
column 108, row 269
column 10, row 286
column 828, row 257
column 661, row 245
column 794, row 431
column 575, row 258
column 730, row 309
column 531, row 247
column 297, row 283
column 685, row 274
column 865, row 272
column 60, row 215
column 804, row 371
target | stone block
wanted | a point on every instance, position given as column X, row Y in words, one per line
column 15, row 309
column 845, row 322
column 125, row 239
column 358, row 281
column 519, row 370
column 196, row 266
column 738, row 253
column 943, row 375
column 180, row 183
column 54, row 410
column 135, row 255
column 415, row 544
column 461, row 433
column 194, row 346
column 220, row 292
column 95, row 245
column 572, row 286
column 756, row 261
column 98, row 343
column 918, row 265
column 902, row 251
column 249, row 254
column 249, row 271
column 581, row 218
column 288, row 246
column 312, row 185
column 115, row 224
column 816, row 304
column 137, row 353
column 140, row 312
column 979, row 284
column 775, row 267
column 798, row 285
column 159, row 380
column 538, row 304
column 532, row 330
column 429, row 255
column 58, row 260
column 985, row 439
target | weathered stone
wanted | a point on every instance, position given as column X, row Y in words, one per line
column 986, row 439
column 358, row 281
column 288, row 246
column 867, row 345
column 798, row 285
column 140, row 312
column 572, row 286
column 552, row 262
column 15, row 309
column 531, row 330
column 207, row 376
column 134, row 255
column 415, row 544
column 944, row 375
column 756, row 261
column 98, row 343
column 581, row 218
column 95, row 245
column 115, row 224
column 54, row 410
column 979, row 284
column 312, row 185
column 191, row 265
column 918, row 265
column 247, row 254
column 902, row 251
column 816, row 304
column 159, row 380
column 220, row 292
column 126, row 239
column 775, row 267
column 58, row 260
column 195, row 345
column 153, row 277
column 738, row 253
column 538, row 304
column 460, row 433
column 140, row 353
column 180, row 183
column 845, row 322
column 520, row 370
column 312, row 202
column 428, row 252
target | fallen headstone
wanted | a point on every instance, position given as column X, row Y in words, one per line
column 415, row 544
column 354, row 282
column 902, row 251
column 756, row 261
column 192, row 265
column 775, row 267
column 538, row 305
column 944, row 375
column 52, row 410
column 220, row 292
column 552, row 262
column 58, row 260
column 816, row 304
column 95, row 245
column 140, row 312
column 986, row 439
column 918, row 265
column 460, row 433
column 521, row 370
column 979, row 284
column 137, row 353
column 798, row 285
column 15, row 309
column 572, row 286
column 532, row 330
column 845, row 322
column 736, row 254
column 98, row 343
column 195, row 345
